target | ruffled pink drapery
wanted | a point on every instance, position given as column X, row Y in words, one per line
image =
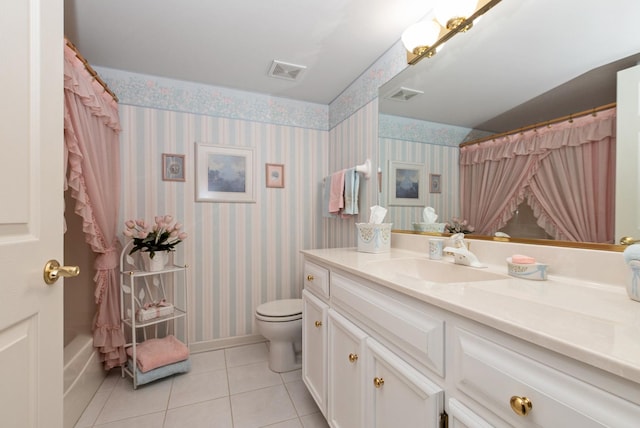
column 565, row 171
column 92, row 148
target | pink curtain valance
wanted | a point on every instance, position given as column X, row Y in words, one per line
column 582, row 130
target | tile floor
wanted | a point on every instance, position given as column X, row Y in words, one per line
column 226, row 388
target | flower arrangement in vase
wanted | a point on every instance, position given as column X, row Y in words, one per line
column 161, row 237
column 458, row 226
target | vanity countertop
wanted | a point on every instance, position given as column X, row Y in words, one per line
column 594, row 323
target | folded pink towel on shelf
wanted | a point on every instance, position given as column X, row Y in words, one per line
column 154, row 353
column 336, row 192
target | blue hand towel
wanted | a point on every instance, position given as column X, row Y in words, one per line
column 351, row 189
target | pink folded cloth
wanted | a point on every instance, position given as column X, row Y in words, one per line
column 336, row 192
column 154, row 353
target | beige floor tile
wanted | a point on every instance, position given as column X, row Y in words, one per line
column 191, row 388
column 213, row 413
column 125, row 402
column 251, row 377
column 153, row 420
column 248, row 354
column 262, row 407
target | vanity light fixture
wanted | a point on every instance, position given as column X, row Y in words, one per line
column 425, row 38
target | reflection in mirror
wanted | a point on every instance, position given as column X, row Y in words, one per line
column 519, row 66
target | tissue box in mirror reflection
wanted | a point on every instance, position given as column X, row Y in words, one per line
column 428, row 227
column 374, row 238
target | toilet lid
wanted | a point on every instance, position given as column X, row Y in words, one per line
column 285, row 308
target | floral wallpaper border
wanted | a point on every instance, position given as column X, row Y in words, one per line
column 420, row 131
column 174, row 95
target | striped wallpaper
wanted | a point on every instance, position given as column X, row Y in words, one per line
column 241, row 254
column 438, row 159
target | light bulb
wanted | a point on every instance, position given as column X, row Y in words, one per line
column 420, row 36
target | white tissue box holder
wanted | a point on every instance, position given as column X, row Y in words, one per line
column 374, row 238
column 429, row 227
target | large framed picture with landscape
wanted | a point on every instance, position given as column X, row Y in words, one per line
column 225, row 173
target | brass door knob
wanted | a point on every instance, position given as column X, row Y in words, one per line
column 53, row 271
column 310, row 278
column 521, row 405
column 318, row 323
column 353, row 358
column 378, row 382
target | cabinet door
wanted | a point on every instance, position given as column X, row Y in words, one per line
column 314, row 348
column 397, row 394
column 346, row 373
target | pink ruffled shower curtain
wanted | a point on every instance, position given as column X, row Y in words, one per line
column 566, row 172
column 92, row 148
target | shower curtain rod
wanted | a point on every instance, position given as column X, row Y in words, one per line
column 540, row 124
column 90, row 69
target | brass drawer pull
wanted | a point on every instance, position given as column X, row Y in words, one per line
column 318, row 324
column 310, row 278
column 378, row 382
column 353, row 358
column 521, row 405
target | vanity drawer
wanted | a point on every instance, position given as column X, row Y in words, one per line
column 493, row 375
column 410, row 327
column 316, row 279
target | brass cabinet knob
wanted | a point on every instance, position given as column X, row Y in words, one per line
column 53, row 271
column 521, row 405
column 318, row 323
column 310, row 278
column 378, row 382
column 353, row 358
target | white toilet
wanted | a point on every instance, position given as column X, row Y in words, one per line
column 280, row 322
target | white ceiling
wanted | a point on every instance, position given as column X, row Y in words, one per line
column 232, row 43
column 520, row 49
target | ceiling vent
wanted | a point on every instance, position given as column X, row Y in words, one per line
column 403, row 94
column 284, row 70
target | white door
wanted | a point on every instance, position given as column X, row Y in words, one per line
column 627, row 155
column 31, row 224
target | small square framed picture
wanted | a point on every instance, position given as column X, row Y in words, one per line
column 274, row 175
column 172, row 167
column 435, row 184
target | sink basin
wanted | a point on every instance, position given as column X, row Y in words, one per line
column 431, row 271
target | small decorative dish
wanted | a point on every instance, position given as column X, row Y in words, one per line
column 534, row 271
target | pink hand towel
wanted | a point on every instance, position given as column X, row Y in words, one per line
column 336, row 195
column 154, row 353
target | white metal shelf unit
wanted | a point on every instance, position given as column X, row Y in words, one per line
column 151, row 291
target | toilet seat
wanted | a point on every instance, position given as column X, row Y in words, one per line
column 280, row 310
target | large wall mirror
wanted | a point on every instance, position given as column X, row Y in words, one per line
column 525, row 62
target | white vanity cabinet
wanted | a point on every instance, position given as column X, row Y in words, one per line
column 392, row 358
column 366, row 383
column 527, row 387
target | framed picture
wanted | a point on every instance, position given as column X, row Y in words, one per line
column 172, row 167
column 407, row 184
column 225, row 174
column 274, row 175
column 435, row 185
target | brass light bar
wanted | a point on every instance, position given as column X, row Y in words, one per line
column 413, row 59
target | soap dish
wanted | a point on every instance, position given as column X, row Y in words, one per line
column 533, row 271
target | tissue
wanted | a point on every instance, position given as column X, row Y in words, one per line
column 377, row 214
column 429, row 215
